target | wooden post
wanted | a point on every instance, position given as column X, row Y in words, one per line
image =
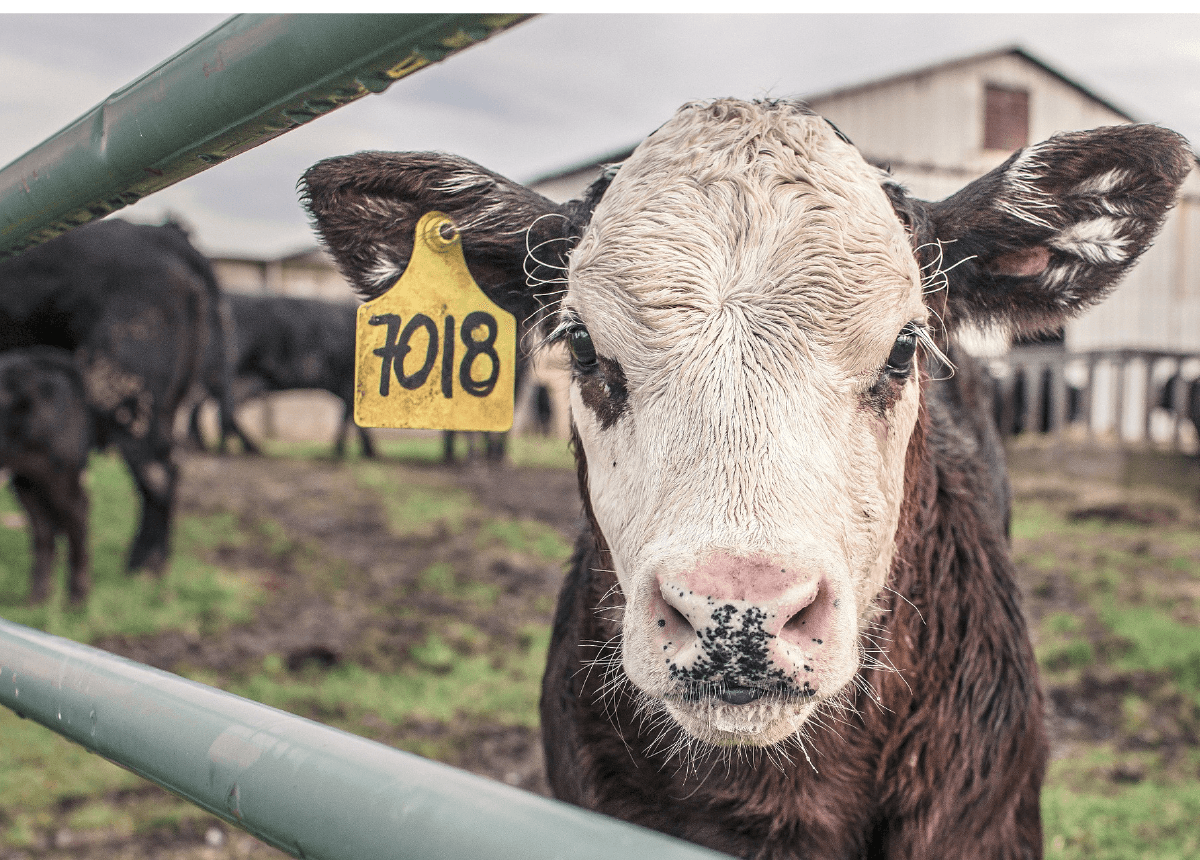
column 1119, row 367
column 1148, row 399
column 1089, row 398
column 1058, row 396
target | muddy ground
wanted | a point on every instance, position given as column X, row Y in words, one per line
column 331, row 520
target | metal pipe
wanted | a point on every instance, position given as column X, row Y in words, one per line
column 308, row 789
column 249, row 80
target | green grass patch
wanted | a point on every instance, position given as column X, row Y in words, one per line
column 415, row 509
column 1157, row 642
column 425, row 447
column 527, row 537
column 540, row 451
column 440, row 685
column 1151, row 820
column 441, row 578
column 193, row 595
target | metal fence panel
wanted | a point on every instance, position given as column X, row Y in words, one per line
column 251, row 79
column 308, row 789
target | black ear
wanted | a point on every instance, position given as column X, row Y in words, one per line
column 366, row 207
column 1053, row 229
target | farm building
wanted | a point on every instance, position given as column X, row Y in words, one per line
column 939, row 127
column 310, row 274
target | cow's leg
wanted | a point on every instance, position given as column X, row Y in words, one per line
column 249, row 446
column 339, row 443
column 75, row 523
column 155, row 475
column 41, row 534
column 368, row 444
column 494, row 446
column 194, row 433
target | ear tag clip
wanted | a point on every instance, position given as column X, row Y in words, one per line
column 434, row 351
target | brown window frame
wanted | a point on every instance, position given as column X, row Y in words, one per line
column 1005, row 117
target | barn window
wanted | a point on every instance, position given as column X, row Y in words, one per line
column 1005, row 118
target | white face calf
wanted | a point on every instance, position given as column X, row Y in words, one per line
column 744, row 301
column 742, row 312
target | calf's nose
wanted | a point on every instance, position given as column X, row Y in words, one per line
column 739, row 622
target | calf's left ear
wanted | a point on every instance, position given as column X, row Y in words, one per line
column 1053, row 229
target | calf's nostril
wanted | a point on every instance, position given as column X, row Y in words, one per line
column 673, row 628
column 807, row 623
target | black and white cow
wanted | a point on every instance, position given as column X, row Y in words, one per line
column 792, row 629
column 136, row 306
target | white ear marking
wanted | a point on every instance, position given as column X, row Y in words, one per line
column 1096, row 241
column 1025, row 198
column 384, row 273
column 1104, row 183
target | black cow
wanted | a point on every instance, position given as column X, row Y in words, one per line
column 283, row 344
column 136, row 305
column 46, row 432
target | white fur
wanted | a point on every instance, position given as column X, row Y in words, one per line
column 1025, row 200
column 1098, row 241
column 748, row 274
column 1102, row 184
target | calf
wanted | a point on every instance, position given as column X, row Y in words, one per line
column 46, row 432
column 135, row 305
column 793, row 627
column 283, row 344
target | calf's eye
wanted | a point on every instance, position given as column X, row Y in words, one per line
column 579, row 341
column 900, row 359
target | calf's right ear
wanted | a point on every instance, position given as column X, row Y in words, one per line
column 366, row 207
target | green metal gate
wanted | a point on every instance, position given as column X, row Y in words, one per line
column 308, row 789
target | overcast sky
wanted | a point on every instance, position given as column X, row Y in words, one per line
column 562, row 89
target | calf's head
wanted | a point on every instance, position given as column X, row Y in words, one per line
column 748, row 304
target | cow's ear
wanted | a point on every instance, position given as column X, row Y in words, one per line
column 366, row 207
column 1052, row 230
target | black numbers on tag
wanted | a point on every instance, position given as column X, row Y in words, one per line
column 396, row 348
column 476, row 348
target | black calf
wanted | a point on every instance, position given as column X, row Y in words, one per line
column 46, row 431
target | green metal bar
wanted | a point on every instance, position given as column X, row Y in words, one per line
column 251, row 79
column 308, row 789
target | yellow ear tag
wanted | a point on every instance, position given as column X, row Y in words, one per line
column 434, row 351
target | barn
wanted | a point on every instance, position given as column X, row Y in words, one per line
column 938, row 127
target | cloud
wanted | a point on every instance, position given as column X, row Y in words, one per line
column 561, row 89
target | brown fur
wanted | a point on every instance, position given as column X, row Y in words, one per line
column 953, row 763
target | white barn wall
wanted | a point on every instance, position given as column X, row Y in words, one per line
column 932, row 121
